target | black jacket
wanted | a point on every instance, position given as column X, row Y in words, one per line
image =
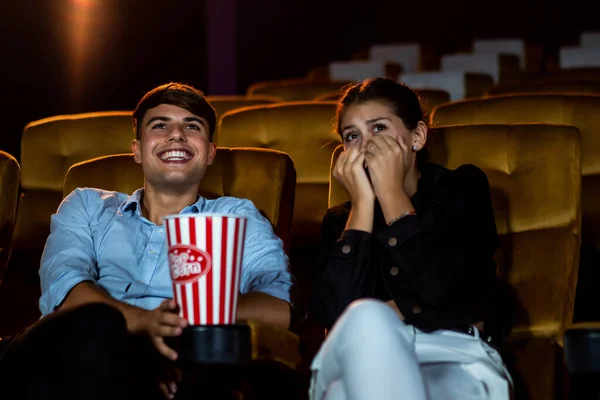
column 436, row 265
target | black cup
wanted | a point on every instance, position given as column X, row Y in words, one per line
column 214, row 345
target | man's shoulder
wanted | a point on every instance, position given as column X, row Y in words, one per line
column 99, row 195
column 238, row 206
column 227, row 204
column 94, row 198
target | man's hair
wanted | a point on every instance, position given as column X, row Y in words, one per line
column 176, row 94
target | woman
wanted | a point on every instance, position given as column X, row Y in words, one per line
column 416, row 244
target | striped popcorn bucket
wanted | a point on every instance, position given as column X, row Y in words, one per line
column 205, row 258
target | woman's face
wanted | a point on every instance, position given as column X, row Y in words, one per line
column 360, row 122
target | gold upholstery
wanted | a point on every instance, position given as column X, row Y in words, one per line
column 48, row 148
column 304, row 130
column 580, row 110
column 430, row 98
column 10, row 176
column 222, row 104
column 538, row 216
column 337, row 194
column 330, row 96
column 295, row 89
column 536, row 203
column 270, row 343
column 267, row 177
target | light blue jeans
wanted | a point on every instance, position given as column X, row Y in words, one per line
column 371, row 354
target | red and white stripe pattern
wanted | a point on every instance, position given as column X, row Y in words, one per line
column 211, row 299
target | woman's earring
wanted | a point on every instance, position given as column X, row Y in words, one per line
column 415, row 148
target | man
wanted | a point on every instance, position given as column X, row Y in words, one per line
column 106, row 288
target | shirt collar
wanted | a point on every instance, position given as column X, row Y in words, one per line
column 133, row 203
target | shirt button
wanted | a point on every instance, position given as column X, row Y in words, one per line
column 416, row 310
column 394, row 271
column 392, row 241
column 346, row 249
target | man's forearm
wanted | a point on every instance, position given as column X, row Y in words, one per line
column 251, row 306
column 88, row 292
column 264, row 308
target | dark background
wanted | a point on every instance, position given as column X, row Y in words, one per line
column 126, row 47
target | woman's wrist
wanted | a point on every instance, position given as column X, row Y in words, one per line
column 395, row 207
column 399, row 217
column 361, row 216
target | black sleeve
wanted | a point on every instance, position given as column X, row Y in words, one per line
column 343, row 270
column 455, row 236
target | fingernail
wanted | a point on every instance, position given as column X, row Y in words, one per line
column 173, row 388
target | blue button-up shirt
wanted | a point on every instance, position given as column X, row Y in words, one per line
column 102, row 237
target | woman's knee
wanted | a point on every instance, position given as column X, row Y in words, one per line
column 370, row 312
column 371, row 318
column 336, row 391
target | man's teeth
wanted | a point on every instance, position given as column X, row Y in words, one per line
column 176, row 155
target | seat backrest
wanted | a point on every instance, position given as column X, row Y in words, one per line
column 10, row 177
column 48, row 148
column 295, row 89
column 545, row 86
column 430, row 98
column 536, row 203
column 222, row 104
column 330, row 96
column 501, row 67
column 459, row 85
column 358, row 70
column 578, row 57
column 408, row 55
column 580, row 110
column 574, row 74
column 589, row 40
column 337, row 194
column 266, row 177
column 304, row 130
column 501, row 46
